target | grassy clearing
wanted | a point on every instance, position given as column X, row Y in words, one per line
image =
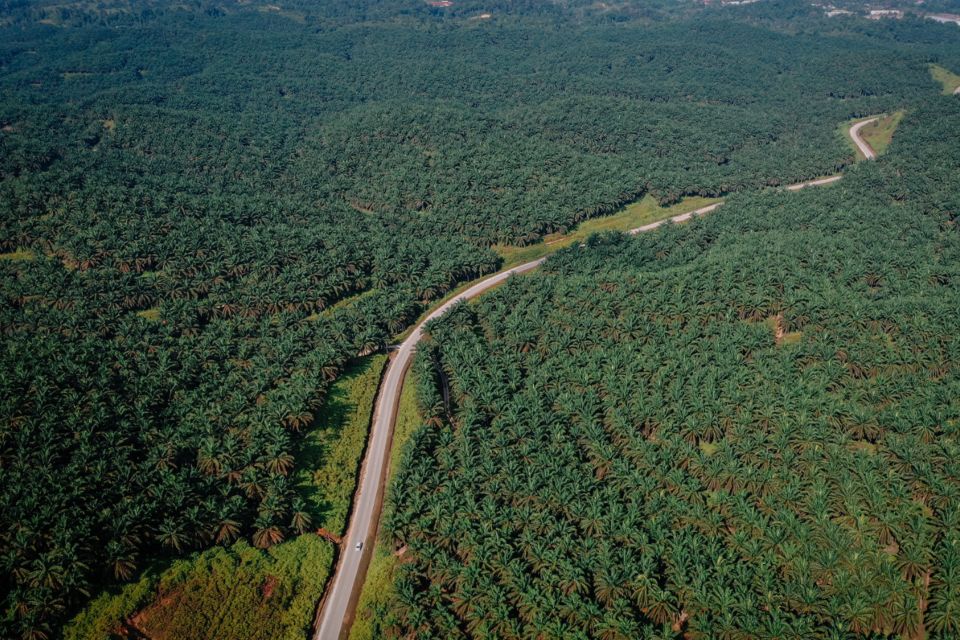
column 152, row 314
column 332, row 450
column 791, row 337
column 225, row 593
column 340, row 305
column 877, row 134
column 634, row 215
column 708, row 448
column 296, row 16
column 947, row 79
column 378, row 586
column 20, row 255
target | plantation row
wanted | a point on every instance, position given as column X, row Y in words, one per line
column 207, row 212
column 743, row 427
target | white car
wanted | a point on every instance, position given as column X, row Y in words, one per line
column 359, row 546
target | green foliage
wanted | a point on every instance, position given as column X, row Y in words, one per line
column 226, row 203
column 947, row 79
column 633, row 448
column 373, row 607
column 236, row 593
column 880, row 133
column 332, row 452
column 106, row 613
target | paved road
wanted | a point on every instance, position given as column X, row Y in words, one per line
column 813, row 183
column 366, row 511
column 337, row 611
column 865, row 148
column 683, row 217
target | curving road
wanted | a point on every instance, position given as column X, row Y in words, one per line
column 858, row 140
column 337, row 608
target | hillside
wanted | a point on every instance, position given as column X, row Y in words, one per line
column 212, row 210
column 742, row 427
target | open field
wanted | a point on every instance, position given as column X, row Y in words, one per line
column 879, row 134
column 876, row 134
column 949, row 80
column 152, row 314
column 641, row 212
column 20, row 255
column 232, row 593
column 341, row 305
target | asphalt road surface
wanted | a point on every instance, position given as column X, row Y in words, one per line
column 865, row 148
column 351, row 568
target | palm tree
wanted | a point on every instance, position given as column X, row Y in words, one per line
column 172, row 535
column 266, row 534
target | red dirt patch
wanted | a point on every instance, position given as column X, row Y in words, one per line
column 328, row 535
column 268, row 586
column 681, row 620
column 136, row 625
column 361, row 207
column 780, row 334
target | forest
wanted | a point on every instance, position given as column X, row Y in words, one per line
column 208, row 211
column 744, row 427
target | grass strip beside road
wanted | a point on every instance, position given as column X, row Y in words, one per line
column 378, row 585
column 636, row 214
column 947, row 79
column 876, row 134
column 329, row 460
column 879, row 134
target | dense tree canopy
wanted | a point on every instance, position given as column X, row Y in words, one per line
column 744, row 427
column 207, row 209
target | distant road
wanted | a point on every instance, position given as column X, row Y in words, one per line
column 813, row 183
column 865, row 148
column 339, row 605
